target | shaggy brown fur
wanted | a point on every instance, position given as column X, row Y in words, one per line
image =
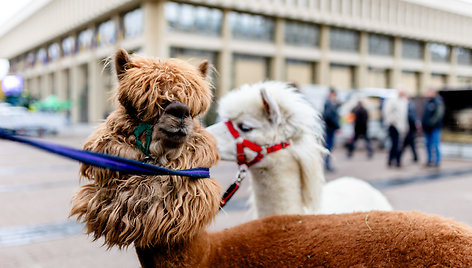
column 165, row 216
column 368, row 239
column 150, row 210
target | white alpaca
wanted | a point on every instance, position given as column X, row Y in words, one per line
column 290, row 180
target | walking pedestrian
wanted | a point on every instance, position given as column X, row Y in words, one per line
column 432, row 124
column 331, row 119
column 361, row 120
column 410, row 137
column 395, row 117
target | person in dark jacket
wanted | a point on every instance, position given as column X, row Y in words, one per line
column 432, row 124
column 331, row 119
column 360, row 129
column 411, row 135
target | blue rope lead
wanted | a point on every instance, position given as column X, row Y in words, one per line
column 104, row 160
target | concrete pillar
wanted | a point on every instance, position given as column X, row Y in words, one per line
column 277, row 67
column 155, row 29
column 78, row 78
column 35, row 87
column 396, row 72
column 60, row 84
column 46, row 85
column 27, row 81
column 451, row 78
column 361, row 69
column 322, row 68
column 225, row 65
column 119, row 30
column 96, row 97
column 425, row 75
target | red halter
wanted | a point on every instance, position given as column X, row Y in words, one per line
column 243, row 164
column 241, row 156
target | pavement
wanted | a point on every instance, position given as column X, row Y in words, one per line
column 36, row 188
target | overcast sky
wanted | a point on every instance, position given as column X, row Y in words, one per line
column 8, row 9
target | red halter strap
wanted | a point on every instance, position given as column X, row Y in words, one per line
column 241, row 156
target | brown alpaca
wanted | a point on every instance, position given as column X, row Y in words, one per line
column 165, row 216
column 145, row 210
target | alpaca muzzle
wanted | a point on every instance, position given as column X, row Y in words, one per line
column 175, row 125
column 178, row 110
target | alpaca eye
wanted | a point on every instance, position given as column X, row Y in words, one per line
column 244, row 128
column 164, row 103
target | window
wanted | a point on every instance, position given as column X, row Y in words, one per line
column 195, row 57
column 341, row 77
column 411, row 82
column 15, row 64
column 439, row 52
column 299, row 72
column 464, row 80
column 251, row 27
column 249, row 69
column 412, row 49
column 464, row 56
column 301, row 34
column 133, row 23
column 437, row 80
column 54, row 51
column 30, row 59
column 106, row 33
column 343, row 39
column 12, row 65
column 68, row 46
column 193, row 19
column 85, row 40
column 380, row 45
column 377, row 77
column 42, row 56
column 21, row 62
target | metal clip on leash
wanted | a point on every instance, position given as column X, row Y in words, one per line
column 240, row 176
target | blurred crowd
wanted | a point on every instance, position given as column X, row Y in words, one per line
column 399, row 122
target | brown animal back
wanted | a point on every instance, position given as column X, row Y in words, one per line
column 373, row 239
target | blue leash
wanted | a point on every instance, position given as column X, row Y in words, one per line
column 104, row 160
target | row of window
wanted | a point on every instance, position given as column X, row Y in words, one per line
column 107, row 33
column 202, row 20
column 187, row 18
column 249, row 69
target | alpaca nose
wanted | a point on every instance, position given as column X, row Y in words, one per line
column 178, row 110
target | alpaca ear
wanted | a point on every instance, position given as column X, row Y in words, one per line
column 270, row 107
column 204, row 67
column 122, row 62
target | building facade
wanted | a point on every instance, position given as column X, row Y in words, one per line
column 64, row 47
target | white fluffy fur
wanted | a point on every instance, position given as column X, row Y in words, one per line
column 288, row 181
column 349, row 194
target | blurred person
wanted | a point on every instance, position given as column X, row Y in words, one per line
column 361, row 119
column 395, row 114
column 331, row 119
column 432, row 124
column 411, row 134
